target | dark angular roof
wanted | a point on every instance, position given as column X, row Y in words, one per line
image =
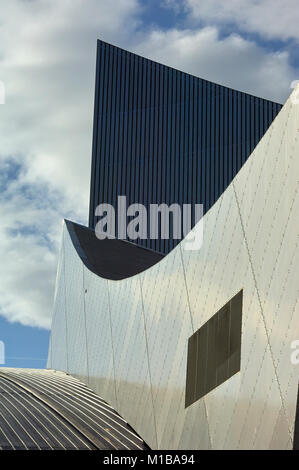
column 110, row 258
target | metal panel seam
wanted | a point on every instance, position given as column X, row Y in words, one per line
column 262, row 311
column 148, row 361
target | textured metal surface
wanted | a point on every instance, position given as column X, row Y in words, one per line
column 51, row 410
column 164, row 136
column 128, row 339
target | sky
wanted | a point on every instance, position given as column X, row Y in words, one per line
column 47, row 67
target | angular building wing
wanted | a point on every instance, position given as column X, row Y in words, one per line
column 164, row 136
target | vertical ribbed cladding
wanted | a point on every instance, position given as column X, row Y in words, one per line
column 164, row 136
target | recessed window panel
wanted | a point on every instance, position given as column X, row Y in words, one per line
column 214, row 351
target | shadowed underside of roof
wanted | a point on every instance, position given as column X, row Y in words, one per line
column 46, row 409
column 110, row 258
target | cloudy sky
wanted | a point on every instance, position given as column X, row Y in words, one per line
column 47, row 64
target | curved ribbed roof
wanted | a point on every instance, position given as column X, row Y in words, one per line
column 45, row 409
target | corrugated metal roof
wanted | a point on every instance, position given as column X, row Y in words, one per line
column 47, row 409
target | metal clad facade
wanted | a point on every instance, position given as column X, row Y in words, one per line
column 164, row 136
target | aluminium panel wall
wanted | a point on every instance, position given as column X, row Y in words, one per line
column 250, row 243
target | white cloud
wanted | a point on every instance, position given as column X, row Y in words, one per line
column 47, row 63
column 29, row 236
column 273, row 19
column 231, row 61
column 47, row 57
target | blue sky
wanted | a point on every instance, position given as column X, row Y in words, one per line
column 25, row 346
column 48, row 68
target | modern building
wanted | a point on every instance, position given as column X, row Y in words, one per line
column 194, row 349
